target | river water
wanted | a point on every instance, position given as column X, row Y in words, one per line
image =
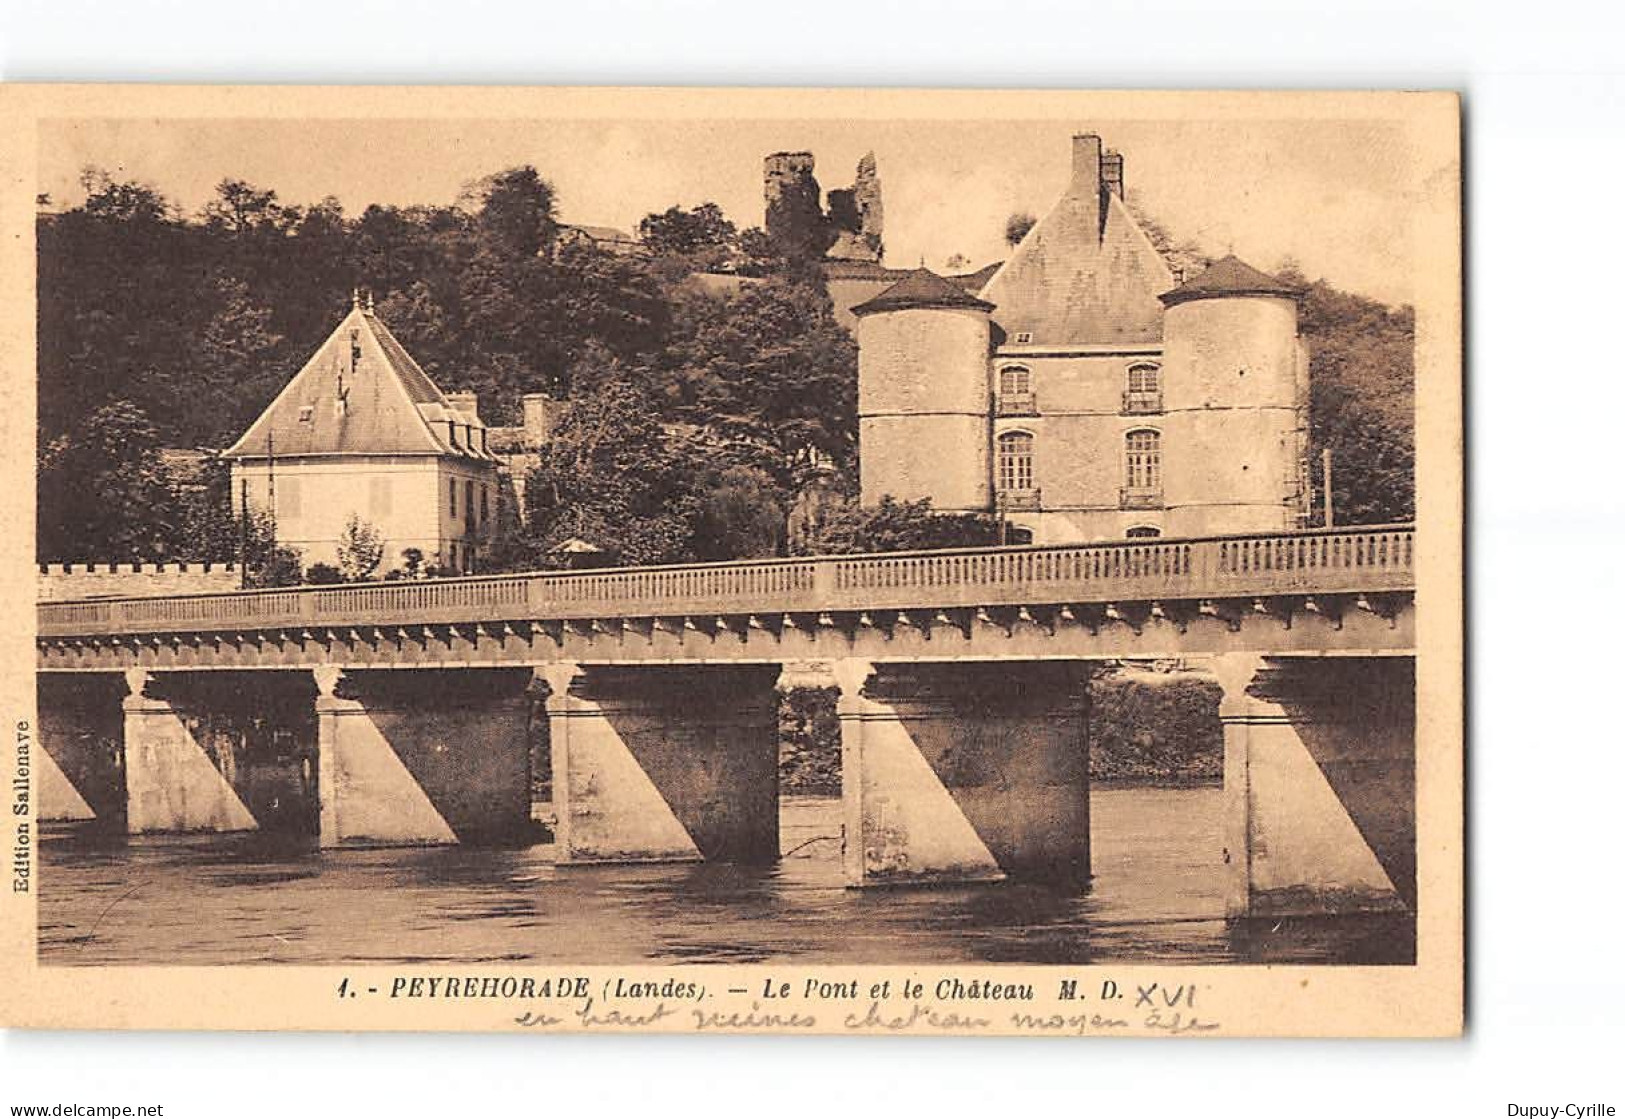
column 1157, row 896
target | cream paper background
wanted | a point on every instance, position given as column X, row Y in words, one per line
column 1424, row 1000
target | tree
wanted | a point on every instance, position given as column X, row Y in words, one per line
column 360, row 550
column 515, row 210
column 703, row 231
column 1016, row 227
column 268, row 562
column 898, row 526
column 768, row 367
column 237, row 371
column 737, row 515
column 240, row 208
column 129, row 202
column 1362, row 399
column 613, row 477
column 208, row 531
column 323, row 574
column 116, row 306
column 103, row 491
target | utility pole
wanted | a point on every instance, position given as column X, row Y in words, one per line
column 242, row 537
column 1326, row 485
column 270, row 489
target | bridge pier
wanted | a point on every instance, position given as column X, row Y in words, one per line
column 664, row 763
column 423, row 756
column 80, row 763
column 964, row 771
column 1319, row 783
column 175, row 782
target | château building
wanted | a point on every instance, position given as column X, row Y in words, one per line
column 362, row 431
column 1082, row 392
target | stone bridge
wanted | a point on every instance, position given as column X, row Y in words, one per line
column 402, row 712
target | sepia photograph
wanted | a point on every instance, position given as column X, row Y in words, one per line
column 607, row 535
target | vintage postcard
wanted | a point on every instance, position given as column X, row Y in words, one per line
column 718, row 561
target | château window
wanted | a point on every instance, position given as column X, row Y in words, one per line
column 485, row 503
column 1015, row 461
column 1142, row 474
column 1023, row 337
column 1143, row 393
column 452, row 496
column 468, row 502
column 1144, row 460
column 1015, row 380
column 1016, row 391
column 1143, row 532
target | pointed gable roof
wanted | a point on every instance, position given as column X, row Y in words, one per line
column 1230, row 276
column 1085, row 273
column 387, row 400
column 922, row 288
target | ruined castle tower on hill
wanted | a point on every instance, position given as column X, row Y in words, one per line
column 851, row 228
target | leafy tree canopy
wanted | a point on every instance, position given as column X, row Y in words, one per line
column 897, row 526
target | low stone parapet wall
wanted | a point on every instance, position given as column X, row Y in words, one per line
column 59, row 581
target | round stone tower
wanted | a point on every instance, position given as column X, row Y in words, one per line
column 1235, row 404
column 923, row 397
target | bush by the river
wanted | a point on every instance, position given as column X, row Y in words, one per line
column 1154, row 728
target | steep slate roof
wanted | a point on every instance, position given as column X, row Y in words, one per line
column 1082, row 276
column 388, row 400
column 921, row 288
column 1230, row 276
column 975, row 281
column 602, row 234
column 860, row 270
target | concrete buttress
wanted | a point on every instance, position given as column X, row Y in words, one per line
column 956, row 772
column 1319, row 784
column 664, row 763
column 174, row 784
column 424, row 756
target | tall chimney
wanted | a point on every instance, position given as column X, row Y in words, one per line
column 1084, row 190
column 1085, row 164
column 468, row 403
column 540, row 417
column 1111, row 172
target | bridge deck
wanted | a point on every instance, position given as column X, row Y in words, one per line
column 1365, row 560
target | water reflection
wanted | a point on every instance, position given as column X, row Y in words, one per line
column 1157, row 895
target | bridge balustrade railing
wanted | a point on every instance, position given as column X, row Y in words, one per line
column 1367, row 559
